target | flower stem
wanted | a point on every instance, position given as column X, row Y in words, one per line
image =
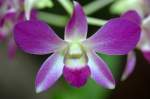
column 96, row 21
column 67, row 4
column 96, row 5
column 53, row 19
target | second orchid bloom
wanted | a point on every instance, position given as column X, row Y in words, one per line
column 75, row 57
column 143, row 44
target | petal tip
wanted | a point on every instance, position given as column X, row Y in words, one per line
column 75, row 3
column 123, row 78
column 130, row 65
column 112, row 86
column 39, row 89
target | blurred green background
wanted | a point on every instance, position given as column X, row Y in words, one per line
column 17, row 76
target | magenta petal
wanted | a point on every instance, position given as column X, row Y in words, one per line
column 76, row 77
column 100, row 71
column 12, row 49
column 49, row 73
column 117, row 37
column 36, row 37
column 132, row 16
column 131, row 61
column 147, row 55
column 77, row 25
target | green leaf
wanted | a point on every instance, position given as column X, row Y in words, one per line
column 53, row 19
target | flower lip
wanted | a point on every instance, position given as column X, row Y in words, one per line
column 76, row 77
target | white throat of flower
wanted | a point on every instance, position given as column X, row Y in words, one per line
column 75, row 56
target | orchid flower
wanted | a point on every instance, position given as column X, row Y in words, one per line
column 143, row 44
column 75, row 57
column 10, row 16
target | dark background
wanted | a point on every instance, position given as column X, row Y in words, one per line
column 17, row 77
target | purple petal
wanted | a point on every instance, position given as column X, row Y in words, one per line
column 12, row 49
column 36, row 37
column 77, row 25
column 132, row 16
column 100, row 72
column 131, row 61
column 117, row 37
column 76, row 77
column 147, row 55
column 49, row 73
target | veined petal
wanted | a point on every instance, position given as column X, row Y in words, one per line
column 49, row 73
column 12, row 49
column 131, row 61
column 100, row 72
column 36, row 37
column 117, row 37
column 76, row 77
column 132, row 16
column 76, row 28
